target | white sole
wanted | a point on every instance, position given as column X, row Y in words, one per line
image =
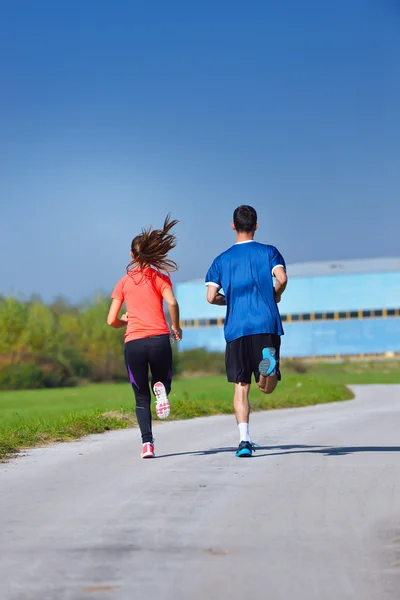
column 162, row 404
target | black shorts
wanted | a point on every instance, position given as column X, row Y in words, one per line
column 243, row 356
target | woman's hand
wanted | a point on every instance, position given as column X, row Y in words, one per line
column 124, row 317
column 177, row 333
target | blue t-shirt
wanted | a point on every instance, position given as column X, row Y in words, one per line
column 244, row 272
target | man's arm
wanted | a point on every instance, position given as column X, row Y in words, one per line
column 214, row 297
column 213, row 283
column 281, row 282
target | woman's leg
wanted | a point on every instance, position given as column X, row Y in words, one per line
column 160, row 360
column 136, row 361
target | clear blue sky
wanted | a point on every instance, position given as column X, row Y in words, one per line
column 113, row 113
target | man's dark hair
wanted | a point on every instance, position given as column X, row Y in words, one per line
column 245, row 219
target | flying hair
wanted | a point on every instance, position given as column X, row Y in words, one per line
column 151, row 248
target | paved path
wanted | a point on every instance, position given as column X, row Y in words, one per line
column 314, row 515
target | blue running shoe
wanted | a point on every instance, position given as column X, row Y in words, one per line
column 245, row 450
column 268, row 364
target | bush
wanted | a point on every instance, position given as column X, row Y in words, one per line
column 30, row 376
column 198, row 361
column 295, row 365
column 61, row 345
column 21, row 377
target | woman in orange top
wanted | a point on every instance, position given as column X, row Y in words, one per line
column 147, row 337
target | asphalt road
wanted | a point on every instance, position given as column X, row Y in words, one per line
column 314, row 515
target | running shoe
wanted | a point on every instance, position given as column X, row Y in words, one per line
column 268, row 364
column 162, row 403
column 245, row 450
column 148, row 450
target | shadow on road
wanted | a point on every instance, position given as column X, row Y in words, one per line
column 292, row 449
column 325, row 450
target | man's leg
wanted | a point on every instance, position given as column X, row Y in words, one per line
column 268, row 346
column 238, row 370
column 268, row 384
column 242, row 410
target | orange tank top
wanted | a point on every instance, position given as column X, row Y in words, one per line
column 142, row 293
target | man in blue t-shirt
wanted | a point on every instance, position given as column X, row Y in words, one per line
column 252, row 325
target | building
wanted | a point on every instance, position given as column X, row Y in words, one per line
column 345, row 308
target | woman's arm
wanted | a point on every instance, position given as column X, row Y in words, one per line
column 173, row 309
column 113, row 319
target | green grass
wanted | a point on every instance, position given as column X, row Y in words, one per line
column 358, row 372
column 37, row 417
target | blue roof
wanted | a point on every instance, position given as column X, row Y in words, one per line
column 338, row 267
column 316, row 287
column 344, row 267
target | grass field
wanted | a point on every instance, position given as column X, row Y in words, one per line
column 29, row 418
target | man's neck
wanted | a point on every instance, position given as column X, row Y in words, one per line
column 244, row 237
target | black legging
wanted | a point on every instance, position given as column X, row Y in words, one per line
column 154, row 352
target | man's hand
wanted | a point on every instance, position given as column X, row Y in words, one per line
column 277, row 297
column 220, row 300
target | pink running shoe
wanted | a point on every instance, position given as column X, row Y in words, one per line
column 148, row 450
column 162, row 404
